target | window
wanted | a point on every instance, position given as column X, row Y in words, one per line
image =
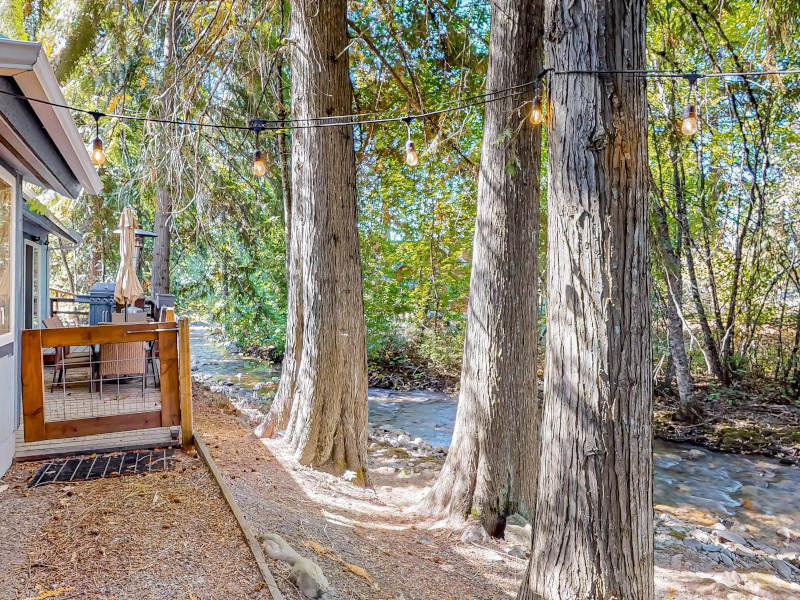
column 33, row 284
column 6, row 264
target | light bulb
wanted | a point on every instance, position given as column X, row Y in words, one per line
column 259, row 166
column 98, row 156
column 412, row 158
column 536, row 112
column 691, row 124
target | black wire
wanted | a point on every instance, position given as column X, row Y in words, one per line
column 357, row 119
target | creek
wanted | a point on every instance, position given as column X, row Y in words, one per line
column 759, row 493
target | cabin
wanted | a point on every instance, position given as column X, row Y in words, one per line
column 40, row 145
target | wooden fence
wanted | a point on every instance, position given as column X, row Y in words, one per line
column 173, row 364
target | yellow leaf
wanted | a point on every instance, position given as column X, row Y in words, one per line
column 52, row 593
column 355, row 569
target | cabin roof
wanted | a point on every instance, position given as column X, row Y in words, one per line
column 39, row 140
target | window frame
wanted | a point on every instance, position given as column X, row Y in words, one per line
column 11, row 181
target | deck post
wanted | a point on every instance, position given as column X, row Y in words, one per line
column 185, row 383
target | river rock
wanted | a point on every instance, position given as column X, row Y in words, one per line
column 518, row 552
column 701, row 536
column 695, row 454
column 712, row 548
column 783, row 568
column 308, row 578
column 787, row 534
column 693, row 544
column 731, row 537
column 475, row 533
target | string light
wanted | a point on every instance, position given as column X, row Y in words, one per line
column 537, row 113
column 412, row 158
column 259, row 165
column 691, row 124
column 98, row 155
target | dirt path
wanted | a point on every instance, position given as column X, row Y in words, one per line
column 151, row 537
column 371, row 529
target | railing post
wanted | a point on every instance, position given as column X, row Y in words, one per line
column 185, row 382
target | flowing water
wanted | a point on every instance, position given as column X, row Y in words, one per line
column 758, row 492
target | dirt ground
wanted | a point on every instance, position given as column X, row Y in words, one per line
column 151, row 537
column 337, row 524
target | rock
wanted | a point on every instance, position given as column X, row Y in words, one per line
column 719, row 527
column 493, row 556
column 520, row 536
column 742, row 551
column 475, row 533
column 783, row 568
column 695, row 454
column 711, row 548
column 739, row 528
column 693, row 544
column 278, row 549
column 701, row 536
column 518, row 552
column 331, row 594
column 731, row 537
column 425, row 540
column 516, row 519
column 308, row 578
column 787, row 534
column 439, row 450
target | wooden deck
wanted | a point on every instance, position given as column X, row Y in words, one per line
column 76, row 399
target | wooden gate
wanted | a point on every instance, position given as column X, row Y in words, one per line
column 94, row 402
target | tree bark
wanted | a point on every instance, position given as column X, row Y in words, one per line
column 327, row 423
column 159, row 273
column 672, row 276
column 492, row 465
column 593, row 523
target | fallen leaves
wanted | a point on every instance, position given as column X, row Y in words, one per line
column 328, row 552
column 51, row 593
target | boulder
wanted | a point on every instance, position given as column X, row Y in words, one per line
column 518, row 552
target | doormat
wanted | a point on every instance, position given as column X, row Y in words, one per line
column 99, row 466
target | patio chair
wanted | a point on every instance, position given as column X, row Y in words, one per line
column 65, row 358
column 126, row 359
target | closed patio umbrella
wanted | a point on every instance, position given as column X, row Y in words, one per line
column 127, row 287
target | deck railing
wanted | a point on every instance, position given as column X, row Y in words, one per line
column 106, row 379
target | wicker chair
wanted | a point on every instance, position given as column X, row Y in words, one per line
column 123, row 360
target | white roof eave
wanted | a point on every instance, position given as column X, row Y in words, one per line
column 37, row 80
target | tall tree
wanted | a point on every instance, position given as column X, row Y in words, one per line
column 328, row 416
column 491, row 467
column 159, row 274
column 593, row 522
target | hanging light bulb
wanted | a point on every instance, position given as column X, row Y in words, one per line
column 259, row 164
column 98, row 155
column 691, row 124
column 537, row 112
column 412, row 158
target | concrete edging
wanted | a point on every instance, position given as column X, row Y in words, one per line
column 251, row 540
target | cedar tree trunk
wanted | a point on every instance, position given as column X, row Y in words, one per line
column 492, row 464
column 593, row 522
column 326, row 370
